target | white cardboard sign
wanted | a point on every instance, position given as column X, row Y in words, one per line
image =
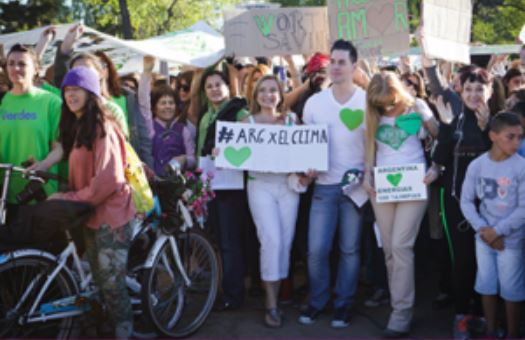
column 271, row 148
column 446, row 27
column 397, row 183
column 223, row 179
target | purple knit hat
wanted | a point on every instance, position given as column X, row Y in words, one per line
column 83, row 77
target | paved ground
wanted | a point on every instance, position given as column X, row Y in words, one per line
column 366, row 323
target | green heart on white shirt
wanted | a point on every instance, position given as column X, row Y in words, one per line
column 391, row 136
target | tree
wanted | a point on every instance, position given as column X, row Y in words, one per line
column 21, row 16
column 126, row 23
column 152, row 17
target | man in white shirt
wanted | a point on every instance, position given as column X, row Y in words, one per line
column 342, row 108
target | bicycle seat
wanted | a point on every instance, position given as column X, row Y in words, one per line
column 38, row 225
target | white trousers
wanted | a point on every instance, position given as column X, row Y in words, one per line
column 274, row 210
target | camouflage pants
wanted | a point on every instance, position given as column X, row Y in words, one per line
column 107, row 253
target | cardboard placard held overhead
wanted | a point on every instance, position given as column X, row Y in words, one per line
column 270, row 32
column 375, row 27
column 446, row 28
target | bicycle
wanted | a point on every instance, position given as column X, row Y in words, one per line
column 44, row 292
column 41, row 293
column 183, row 279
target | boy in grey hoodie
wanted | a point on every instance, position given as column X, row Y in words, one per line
column 493, row 202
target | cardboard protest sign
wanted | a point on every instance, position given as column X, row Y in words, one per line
column 223, row 179
column 269, row 32
column 272, row 148
column 400, row 183
column 376, row 28
column 480, row 50
column 446, row 27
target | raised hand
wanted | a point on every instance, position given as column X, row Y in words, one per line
column 72, row 35
column 482, row 114
column 148, row 63
column 444, row 110
column 45, row 38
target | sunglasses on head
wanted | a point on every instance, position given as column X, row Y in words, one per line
column 184, row 88
column 410, row 82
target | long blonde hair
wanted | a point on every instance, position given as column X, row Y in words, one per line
column 384, row 89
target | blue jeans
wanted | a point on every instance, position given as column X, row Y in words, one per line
column 331, row 210
column 500, row 271
column 226, row 222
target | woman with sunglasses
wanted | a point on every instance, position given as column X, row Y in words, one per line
column 389, row 144
column 183, row 91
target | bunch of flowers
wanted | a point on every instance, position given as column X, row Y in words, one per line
column 198, row 193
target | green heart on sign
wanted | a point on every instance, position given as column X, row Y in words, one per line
column 410, row 123
column 352, row 119
column 237, row 157
column 394, row 179
column 391, row 135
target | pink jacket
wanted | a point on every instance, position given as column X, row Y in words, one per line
column 97, row 177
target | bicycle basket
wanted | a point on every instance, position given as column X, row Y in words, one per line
column 169, row 190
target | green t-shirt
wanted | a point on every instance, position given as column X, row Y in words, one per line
column 118, row 115
column 28, row 127
column 53, row 89
column 208, row 118
column 121, row 101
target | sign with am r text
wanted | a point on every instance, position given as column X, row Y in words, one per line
column 398, row 183
column 375, row 27
column 271, row 148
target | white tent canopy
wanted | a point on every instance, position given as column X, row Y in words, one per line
column 198, row 45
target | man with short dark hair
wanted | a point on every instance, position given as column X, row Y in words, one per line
column 342, row 108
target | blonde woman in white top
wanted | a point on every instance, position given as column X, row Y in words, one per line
column 272, row 203
column 391, row 143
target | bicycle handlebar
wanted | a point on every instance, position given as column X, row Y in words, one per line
column 32, row 174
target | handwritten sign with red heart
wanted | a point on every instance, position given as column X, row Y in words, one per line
column 378, row 27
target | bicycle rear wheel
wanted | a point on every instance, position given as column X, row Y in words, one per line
column 16, row 278
column 202, row 267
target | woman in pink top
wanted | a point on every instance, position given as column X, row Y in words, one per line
column 96, row 152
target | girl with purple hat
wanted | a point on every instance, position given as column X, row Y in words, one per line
column 95, row 149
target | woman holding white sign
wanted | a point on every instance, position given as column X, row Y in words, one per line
column 225, row 219
column 396, row 122
column 272, row 203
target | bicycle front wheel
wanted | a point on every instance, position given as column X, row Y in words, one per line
column 202, row 267
column 21, row 279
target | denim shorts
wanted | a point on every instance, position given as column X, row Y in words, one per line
column 500, row 272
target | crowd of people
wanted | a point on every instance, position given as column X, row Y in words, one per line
column 469, row 133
